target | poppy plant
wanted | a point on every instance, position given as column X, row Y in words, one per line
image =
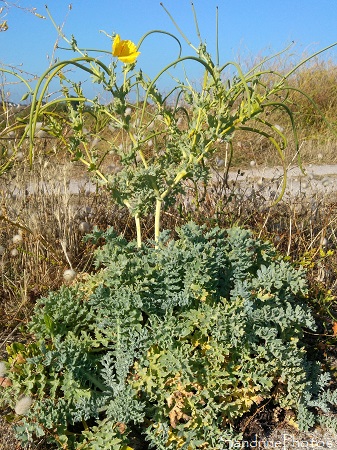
column 126, row 51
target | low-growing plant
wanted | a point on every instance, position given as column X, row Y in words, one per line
column 167, row 347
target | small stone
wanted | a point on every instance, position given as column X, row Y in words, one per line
column 17, row 239
column 3, row 368
column 41, row 134
column 22, row 406
column 69, row 275
column 325, row 242
column 84, row 227
column 279, row 128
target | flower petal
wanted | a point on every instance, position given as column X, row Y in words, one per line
column 115, row 44
column 124, row 50
column 129, row 59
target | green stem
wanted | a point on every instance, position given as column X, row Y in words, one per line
column 138, row 230
column 174, row 63
column 157, row 219
column 11, row 72
column 179, row 29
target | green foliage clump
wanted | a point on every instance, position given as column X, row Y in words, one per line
column 168, row 345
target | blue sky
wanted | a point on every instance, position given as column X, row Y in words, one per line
column 247, row 28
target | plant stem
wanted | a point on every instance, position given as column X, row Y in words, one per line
column 157, row 219
column 139, row 231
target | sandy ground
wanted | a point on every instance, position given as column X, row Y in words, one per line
column 314, row 179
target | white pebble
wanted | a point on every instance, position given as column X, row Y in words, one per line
column 22, row 406
column 279, row 128
column 19, row 156
column 325, row 242
column 3, row 369
column 41, row 134
column 69, row 275
column 17, row 239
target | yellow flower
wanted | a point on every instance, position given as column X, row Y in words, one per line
column 126, row 51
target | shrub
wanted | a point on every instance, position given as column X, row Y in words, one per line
column 167, row 345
